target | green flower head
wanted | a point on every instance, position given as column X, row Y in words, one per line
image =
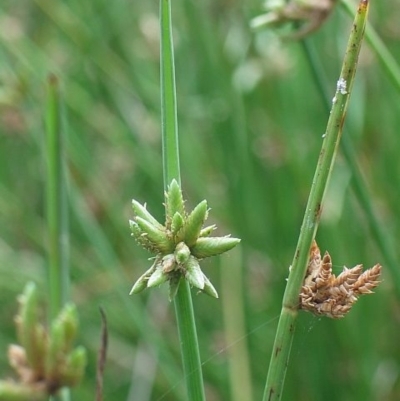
column 178, row 245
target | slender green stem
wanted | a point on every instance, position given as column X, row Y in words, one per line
column 170, row 143
column 189, row 343
column 358, row 184
column 183, row 300
column 388, row 62
column 56, row 202
column 285, row 331
column 56, row 210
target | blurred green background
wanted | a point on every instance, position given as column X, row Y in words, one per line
column 251, row 125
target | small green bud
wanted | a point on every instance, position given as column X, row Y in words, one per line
column 176, row 223
column 211, row 246
column 168, row 263
column 182, row 253
column 139, row 286
column 74, row 367
column 174, row 201
column 193, row 273
column 68, row 319
column 28, row 323
column 157, row 237
column 157, row 278
column 141, row 211
column 141, row 238
column 209, row 288
column 41, row 343
column 55, row 351
column 192, row 227
column 141, row 282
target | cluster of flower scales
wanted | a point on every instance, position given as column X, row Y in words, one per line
column 325, row 294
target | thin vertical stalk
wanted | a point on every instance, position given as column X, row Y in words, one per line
column 386, row 59
column 183, row 300
column 170, row 141
column 359, row 187
column 57, row 224
column 286, row 326
column 56, row 202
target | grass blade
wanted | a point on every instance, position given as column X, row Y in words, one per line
column 56, row 202
column 57, row 219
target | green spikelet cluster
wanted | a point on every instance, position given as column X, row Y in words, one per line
column 178, row 245
column 45, row 361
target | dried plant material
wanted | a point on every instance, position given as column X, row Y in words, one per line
column 311, row 14
column 327, row 295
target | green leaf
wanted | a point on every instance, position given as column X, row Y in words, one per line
column 211, row 246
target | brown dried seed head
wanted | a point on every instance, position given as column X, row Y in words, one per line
column 327, row 295
column 325, row 272
column 340, row 311
column 348, row 276
column 368, row 280
column 314, row 263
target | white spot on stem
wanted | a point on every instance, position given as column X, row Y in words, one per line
column 341, row 86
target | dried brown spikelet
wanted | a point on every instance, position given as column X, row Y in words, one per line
column 368, row 280
column 325, row 294
column 348, row 276
column 325, row 272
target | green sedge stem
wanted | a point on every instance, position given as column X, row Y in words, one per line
column 388, row 62
column 358, row 185
column 170, row 143
column 189, row 343
column 57, row 224
column 286, row 326
column 56, row 202
column 183, row 300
